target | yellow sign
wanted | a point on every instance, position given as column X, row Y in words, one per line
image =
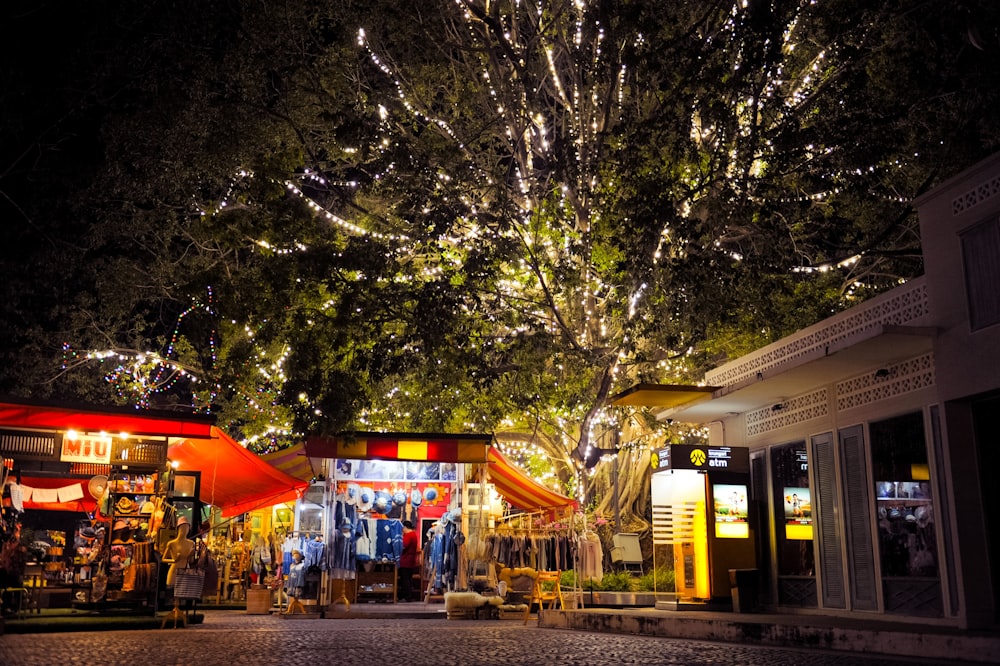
column 698, row 457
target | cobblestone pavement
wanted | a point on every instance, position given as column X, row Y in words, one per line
column 245, row 640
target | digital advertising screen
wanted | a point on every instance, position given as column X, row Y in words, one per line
column 798, row 513
column 731, row 510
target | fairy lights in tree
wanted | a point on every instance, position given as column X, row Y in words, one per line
column 138, row 376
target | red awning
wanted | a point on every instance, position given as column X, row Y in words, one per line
column 520, row 489
column 136, row 422
column 232, row 478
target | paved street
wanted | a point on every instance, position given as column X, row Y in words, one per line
column 232, row 639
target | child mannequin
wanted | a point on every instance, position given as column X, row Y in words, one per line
column 295, row 582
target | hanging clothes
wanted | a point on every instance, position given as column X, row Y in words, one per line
column 312, row 552
column 591, row 557
column 341, row 556
column 389, row 540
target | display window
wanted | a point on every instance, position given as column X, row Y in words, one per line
column 793, row 510
column 905, row 505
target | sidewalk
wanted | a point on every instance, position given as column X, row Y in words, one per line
column 876, row 635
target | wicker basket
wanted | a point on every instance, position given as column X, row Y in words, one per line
column 258, row 602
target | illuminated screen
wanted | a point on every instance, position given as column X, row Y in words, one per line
column 798, row 513
column 730, row 501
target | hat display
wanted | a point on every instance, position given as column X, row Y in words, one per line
column 430, row 494
column 353, row 493
column 416, row 498
column 346, row 526
column 366, row 499
column 183, row 521
column 125, row 505
column 399, row 498
column 147, row 507
column 383, row 501
column 119, row 525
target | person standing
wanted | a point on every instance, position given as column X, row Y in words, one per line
column 407, row 562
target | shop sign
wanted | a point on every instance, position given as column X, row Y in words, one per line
column 86, row 449
column 707, row 458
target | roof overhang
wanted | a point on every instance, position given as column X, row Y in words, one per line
column 60, row 417
column 662, row 396
column 882, row 346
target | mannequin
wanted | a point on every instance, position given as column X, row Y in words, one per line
column 295, row 582
column 178, row 551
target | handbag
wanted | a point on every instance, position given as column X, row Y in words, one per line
column 188, row 584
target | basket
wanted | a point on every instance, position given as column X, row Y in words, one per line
column 188, row 584
column 258, row 602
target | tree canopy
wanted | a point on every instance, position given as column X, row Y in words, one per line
column 464, row 216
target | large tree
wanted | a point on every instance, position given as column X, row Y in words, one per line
column 490, row 216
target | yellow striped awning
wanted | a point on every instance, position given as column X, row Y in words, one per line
column 293, row 461
column 520, row 489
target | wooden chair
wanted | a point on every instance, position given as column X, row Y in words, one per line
column 545, row 589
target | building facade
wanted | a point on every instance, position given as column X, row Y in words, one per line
column 874, row 435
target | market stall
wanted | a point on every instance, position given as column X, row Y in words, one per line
column 448, row 486
column 106, row 489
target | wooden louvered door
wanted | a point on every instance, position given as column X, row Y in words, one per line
column 831, row 561
column 863, row 583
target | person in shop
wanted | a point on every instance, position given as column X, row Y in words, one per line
column 178, row 551
column 407, row 562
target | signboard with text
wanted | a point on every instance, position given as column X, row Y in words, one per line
column 86, row 449
column 702, row 458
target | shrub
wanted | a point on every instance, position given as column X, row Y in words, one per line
column 616, row 581
column 658, row 580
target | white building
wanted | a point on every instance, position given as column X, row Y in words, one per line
column 887, row 418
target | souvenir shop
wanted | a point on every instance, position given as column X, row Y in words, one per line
column 87, row 515
column 460, row 496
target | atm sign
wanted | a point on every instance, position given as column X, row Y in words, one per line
column 720, row 458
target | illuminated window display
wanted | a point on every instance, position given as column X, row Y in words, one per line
column 906, row 536
column 793, row 510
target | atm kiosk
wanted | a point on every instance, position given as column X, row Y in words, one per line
column 701, row 522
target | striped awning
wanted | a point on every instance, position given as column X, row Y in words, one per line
column 293, row 461
column 437, row 447
column 520, row 489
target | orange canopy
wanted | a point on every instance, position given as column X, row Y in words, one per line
column 233, row 478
